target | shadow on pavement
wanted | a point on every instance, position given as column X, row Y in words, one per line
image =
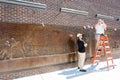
column 71, row 73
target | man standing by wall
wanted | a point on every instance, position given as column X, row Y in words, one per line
column 81, row 52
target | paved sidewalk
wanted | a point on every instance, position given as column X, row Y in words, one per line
column 95, row 72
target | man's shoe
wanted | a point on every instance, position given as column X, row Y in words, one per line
column 83, row 70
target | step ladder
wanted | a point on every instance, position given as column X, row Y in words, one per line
column 103, row 46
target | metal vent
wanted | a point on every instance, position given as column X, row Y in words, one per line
column 25, row 3
column 73, row 11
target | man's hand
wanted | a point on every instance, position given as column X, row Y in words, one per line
column 85, row 44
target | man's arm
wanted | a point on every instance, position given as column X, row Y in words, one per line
column 95, row 26
column 105, row 26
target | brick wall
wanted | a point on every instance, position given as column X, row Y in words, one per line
column 52, row 15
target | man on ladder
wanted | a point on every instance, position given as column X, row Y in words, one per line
column 102, row 43
column 100, row 28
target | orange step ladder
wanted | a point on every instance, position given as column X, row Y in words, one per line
column 103, row 45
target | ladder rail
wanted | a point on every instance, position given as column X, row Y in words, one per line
column 95, row 54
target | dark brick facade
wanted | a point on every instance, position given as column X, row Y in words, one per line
column 52, row 15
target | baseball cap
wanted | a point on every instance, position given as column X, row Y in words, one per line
column 79, row 34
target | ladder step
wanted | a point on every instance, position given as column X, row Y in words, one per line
column 109, row 58
column 108, row 52
column 106, row 42
column 107, row 46
column 97, row 55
